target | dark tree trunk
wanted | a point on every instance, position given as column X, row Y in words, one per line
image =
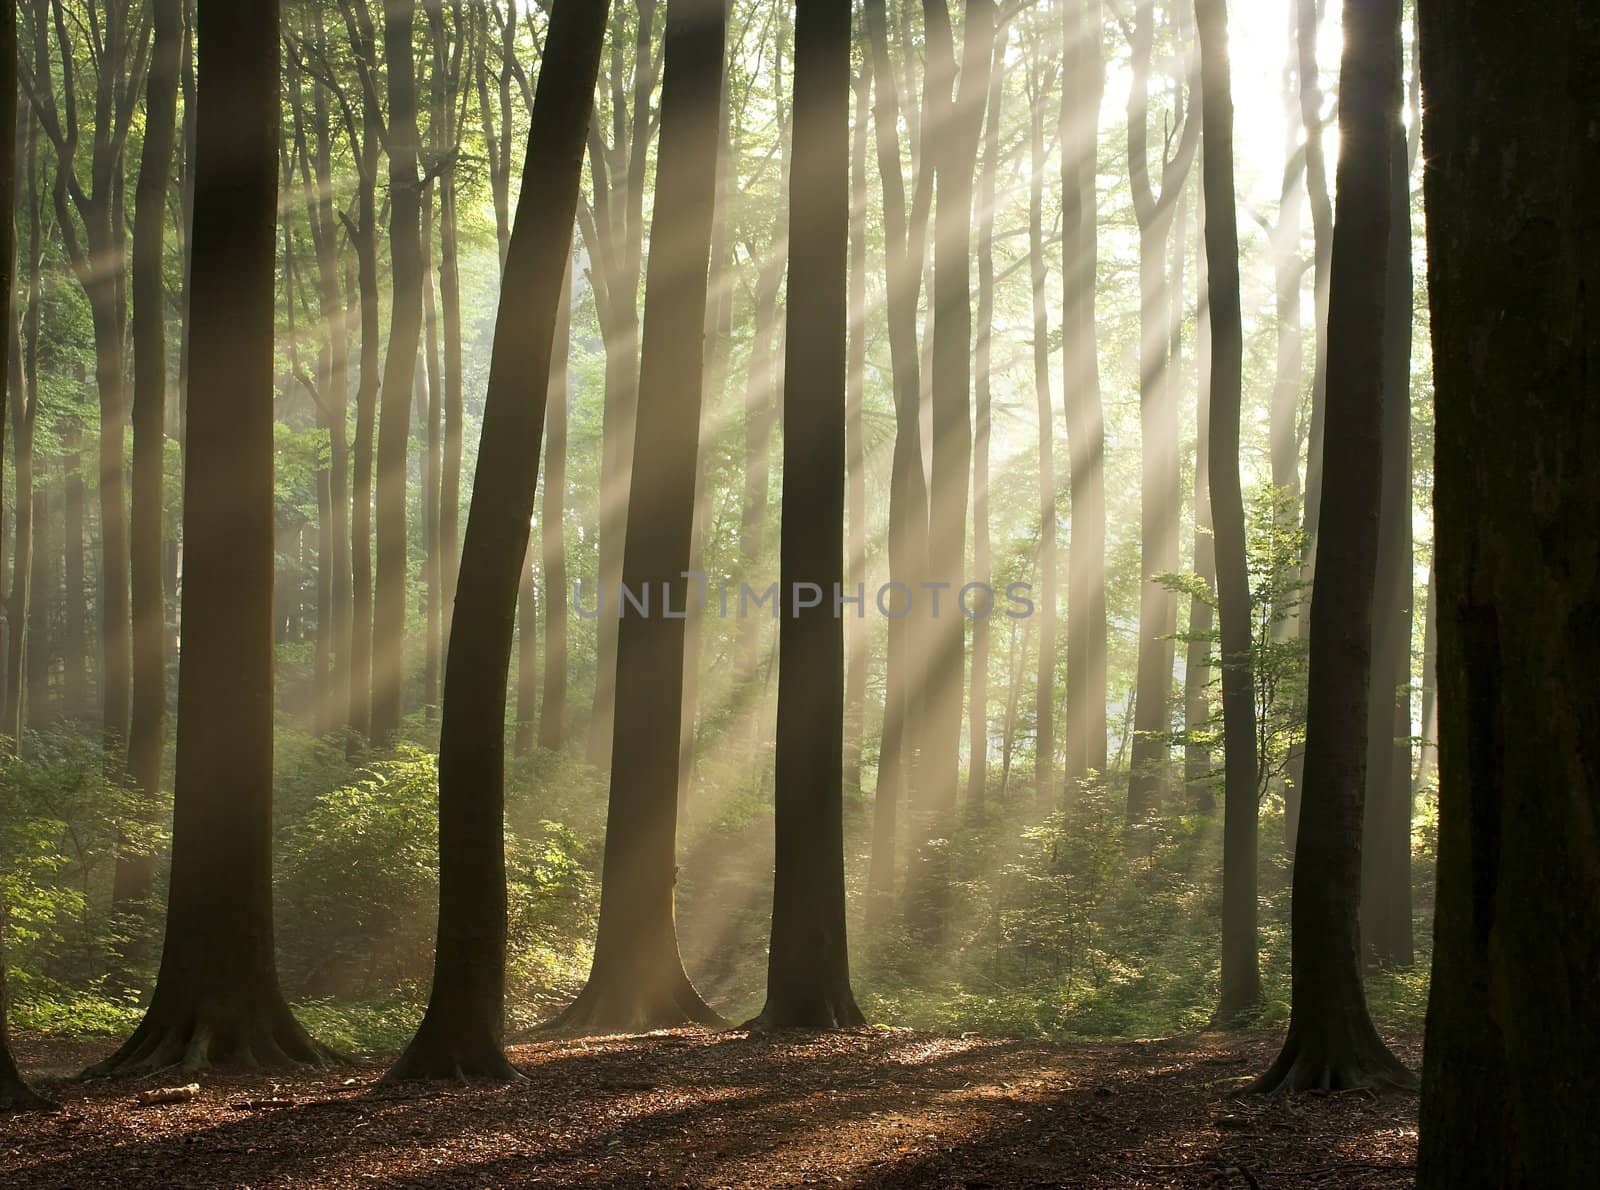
column 75, row 618
column 432, row 458
column 552, row 531
column 1241, row 972
column 857, row 651
column 1386, row 848
column 217, row 999
column 1084, row 75
column 405, row 327
column 638, row 981
column 14, row 1092
column 1158, row 437
column 366, row 245
column 1511, row 1072
column 1332, row 1044
column 136, row 872
column 460, row 1035
column 808, row 966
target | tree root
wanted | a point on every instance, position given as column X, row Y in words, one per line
column 204, row 1040
column 827, row 1015
column 17, row 1096
column 1355, row 1065
column 461, row 1055
column 605, row 1007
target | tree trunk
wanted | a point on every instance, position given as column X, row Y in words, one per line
column 1332, row 1044
column 1040, row 77
column 527, row 709
column 460, row 1035
column 637, row 981
column 1241, row 972
column 808, row 966
column 1386, row 848
column 432, row 459
column 217, row 999
column 75, row 621
column 136, row 872
column 1158, row 437
column 1513, row 1047
column 394, row 415
column 552, row 530
column 1084, row 73
column 1202, row 612
column 367, row 383
column 857, row 650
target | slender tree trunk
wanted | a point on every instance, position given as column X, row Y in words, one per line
column 1306, row 30
column 1513, row 1046
column 1241, row 972
column 1202, row 612
column 1332, row 1044
column 136, row 872
column 44, row 596
column 552, row 529
column 217, row 999
column 394, row 415
column 75, row 621
column 527, row 710
column 1046, row 560
column 1084, row 75
column 1428, row 740
column 367, row 383
column 808, row 969
column 460, row 1034
column 856, row 642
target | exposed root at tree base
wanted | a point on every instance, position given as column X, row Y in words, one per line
column 604, row 1008
column 819, row 1018
column 210, row 1040
column 17, row 1096
column 1313, row 1068
column 460, row 1055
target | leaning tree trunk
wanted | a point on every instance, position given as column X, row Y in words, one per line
column 808, row 965
column 460, row 1034
column 1511, row 1071
column 1332, row 1044
column 637, row 980
column 1241, row 971
column 217, row 999
column 136, row 871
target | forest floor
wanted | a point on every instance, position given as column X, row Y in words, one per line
column 699, row 1109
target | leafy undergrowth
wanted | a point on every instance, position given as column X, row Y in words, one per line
column 878, row 1107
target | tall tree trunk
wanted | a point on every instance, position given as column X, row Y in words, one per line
column 432, row 458
column 1241, row 971
column 983, row 566
column 638, row 981
column 1158, row 437
column 856, row 642
column 394, row 415
column 1513, row 1048
column 75, row 621
column 1041, row 76
column 135, row 871
column 460, row 1034
column 552, row 530
column 1332, row 1044
column 1386, row 847
column 808, row 967
column 1084, row 75
column 367, row 384
column 217, row 999
column 527, row 709
column 1428, row 740
column 1202, row 611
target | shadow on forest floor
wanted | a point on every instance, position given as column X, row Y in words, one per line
column 699, row 1109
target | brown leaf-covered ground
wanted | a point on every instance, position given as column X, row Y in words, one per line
column 697, row 1109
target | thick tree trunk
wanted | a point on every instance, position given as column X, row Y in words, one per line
column 1512, row 1067
column 136, row 872
column 1332, row 1044
column 460, row 1034
column 1386, row 848
column 394, row 415
column 1241, row 972
column 638, row 981
column 216, row 999
column 808, row 966
column 1084, row 75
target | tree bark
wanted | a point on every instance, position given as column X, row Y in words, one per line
column 808, row 966
column 217, row 999
column 553, row 534
column 1332, row 1044
column 1512, row 1066
column 637, row 980
column 1241, row 972
column 460, row 1035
